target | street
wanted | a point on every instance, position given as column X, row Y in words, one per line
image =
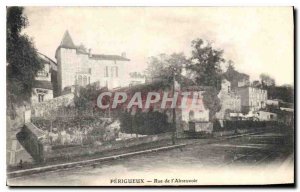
column 262, row 157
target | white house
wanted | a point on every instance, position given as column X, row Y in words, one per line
column 77, row 66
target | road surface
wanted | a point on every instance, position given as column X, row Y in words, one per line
column 254, row 159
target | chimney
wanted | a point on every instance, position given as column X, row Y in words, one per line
column 123, row 54
column 90, row 52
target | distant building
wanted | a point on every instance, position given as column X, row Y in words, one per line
column 230, row 101
column 77, row 66
column 266, row 116
column 44, row 84
column 273, row 102
column 252, row 99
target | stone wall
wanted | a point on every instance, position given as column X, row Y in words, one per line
column 31, row 138
column 35, row 141
column 69, row 152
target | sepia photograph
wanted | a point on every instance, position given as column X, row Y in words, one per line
column 150, row 96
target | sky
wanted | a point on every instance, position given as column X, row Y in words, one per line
column 258, row 40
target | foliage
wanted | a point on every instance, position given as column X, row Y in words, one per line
column 144, row 123
column 230, row 73
column 23, row 62
column 266, row 80
column 284, row 93
column 85, row 99
column 256, row 84
column 164, row 67
column 212, row 102
column 205, row 63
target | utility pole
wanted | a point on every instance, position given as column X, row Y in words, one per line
column 174, row 112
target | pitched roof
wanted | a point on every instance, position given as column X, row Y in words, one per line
column 108, row 57
column 46, row 59
column 67, row 41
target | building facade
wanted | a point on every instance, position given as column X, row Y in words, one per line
column 230, row 101
column 252, row 98
column 44, row 83
column 77, row 66
column 266, row 116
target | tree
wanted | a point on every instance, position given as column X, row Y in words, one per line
column 256, row 83
column 85, row 99
column 212, row 102
column 205, row 63
column 266, row 80
column 230, row 65
column 164, row 66
column 23, row 62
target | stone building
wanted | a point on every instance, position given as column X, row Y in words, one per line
column 78, row 66
column 266, row 116
column 230, row 101
column 252, row 98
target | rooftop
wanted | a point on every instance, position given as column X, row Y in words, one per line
column 108, row 57
column 68, row 43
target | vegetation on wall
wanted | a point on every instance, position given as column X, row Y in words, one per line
column 144, row 123
column 22, row 62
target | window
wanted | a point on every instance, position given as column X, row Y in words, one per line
column 106, row 71
column 117, row 71
column 41, row 97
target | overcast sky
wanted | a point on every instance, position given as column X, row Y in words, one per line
column 258, row 40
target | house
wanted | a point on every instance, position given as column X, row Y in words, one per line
column 273, row 102
column 252, row 98
column 79, row 66
column 44, row 85
column 266, row 116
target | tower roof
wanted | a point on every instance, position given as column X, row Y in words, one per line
column 67, row 41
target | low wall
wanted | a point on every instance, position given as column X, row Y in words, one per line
column 69, row 152
column 31, row 138
column 239, row 131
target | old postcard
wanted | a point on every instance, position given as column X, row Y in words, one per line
column 149, row 96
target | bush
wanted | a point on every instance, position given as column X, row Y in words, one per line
column 145, row 123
